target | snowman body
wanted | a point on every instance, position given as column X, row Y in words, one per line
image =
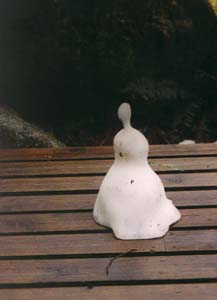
column 131, row 199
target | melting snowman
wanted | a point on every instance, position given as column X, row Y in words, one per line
column 132, row 199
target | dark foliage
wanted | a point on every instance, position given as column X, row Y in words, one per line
column 87, row 56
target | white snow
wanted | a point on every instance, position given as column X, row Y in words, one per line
column 132, row 199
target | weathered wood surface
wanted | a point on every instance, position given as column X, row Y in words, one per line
column 10, row 204
column 198, row 291
column 84, row 221
column 87, row 183
column 50, row 247
column 101, row 243
column 104, row 152
column 79, row 167
column 94, row 269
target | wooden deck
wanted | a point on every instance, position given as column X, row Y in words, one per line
column 50, row 247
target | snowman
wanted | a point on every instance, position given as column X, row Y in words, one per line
column 132, row 199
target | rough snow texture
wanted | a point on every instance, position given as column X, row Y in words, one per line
column 131, row 199
column 187, row 142
column 17, row 133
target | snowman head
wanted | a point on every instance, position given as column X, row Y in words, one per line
column 129, row 143
column 124, row 114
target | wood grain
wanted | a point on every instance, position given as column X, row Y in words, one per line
column 10, row 204
column 93, row 183
column 45, row 168
column 84, row 221
column 103, row 152
column 61, row 247
column 146, row 268
column 199, row 291
column 98, row 243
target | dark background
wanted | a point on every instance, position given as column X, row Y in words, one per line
column 66, row 65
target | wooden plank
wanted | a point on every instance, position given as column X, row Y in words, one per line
column 29, row 154
column 45, row 168
column 55, row 167
column 47, row 203
column 199, row 291
column 103, row 152
column 98, row 243
column 206, row 240
column 93, row 183
column 147, row 268
column 86, row 201
column 84, row 221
